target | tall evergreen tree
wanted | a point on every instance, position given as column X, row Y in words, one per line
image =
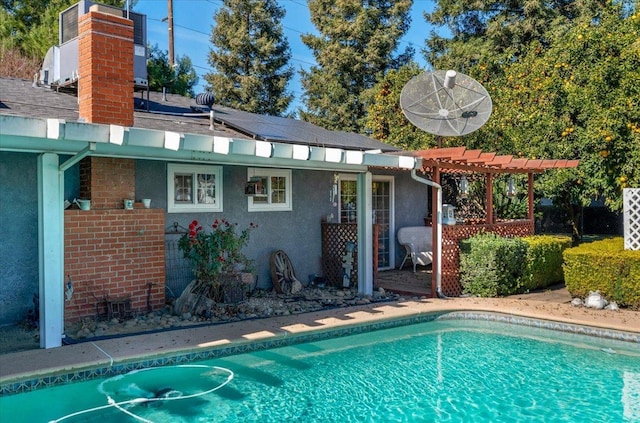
column 354, row 47
column 250, row 56
column 495, row 32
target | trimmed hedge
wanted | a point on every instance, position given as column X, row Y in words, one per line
column 492, row 266
column 605, row 266
column 543, row 264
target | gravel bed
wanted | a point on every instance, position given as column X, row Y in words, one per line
column 261, row 304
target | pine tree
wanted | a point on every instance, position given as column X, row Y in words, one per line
column 355, row 47
column 250, row 56
column 496, row 32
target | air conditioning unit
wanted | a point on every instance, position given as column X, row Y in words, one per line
column 60, row 66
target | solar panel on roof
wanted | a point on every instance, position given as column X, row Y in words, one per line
column 275, row 128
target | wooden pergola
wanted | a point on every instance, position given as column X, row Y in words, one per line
column 460, row 160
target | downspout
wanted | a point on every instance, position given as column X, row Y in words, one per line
column 438, row 269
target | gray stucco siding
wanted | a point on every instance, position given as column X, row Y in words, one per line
column 19, row 229
column 296, row 232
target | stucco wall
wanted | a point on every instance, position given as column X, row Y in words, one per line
column 296, row 232
column 19, row 229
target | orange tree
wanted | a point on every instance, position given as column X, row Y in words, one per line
column 578, row 99
column 570, row 92
column 385, row 120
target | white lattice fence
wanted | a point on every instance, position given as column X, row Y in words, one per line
column 631, row 198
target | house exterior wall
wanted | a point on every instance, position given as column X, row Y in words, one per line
column 296, row 232
column 113, row 254
column 19, row 229
column 107, row 181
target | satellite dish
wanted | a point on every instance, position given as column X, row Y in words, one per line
column 445, row 103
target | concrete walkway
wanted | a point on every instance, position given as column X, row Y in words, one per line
column 548, row 305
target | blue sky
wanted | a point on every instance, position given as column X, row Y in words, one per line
column 193, row 20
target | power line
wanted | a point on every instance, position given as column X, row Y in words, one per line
column 207, row 34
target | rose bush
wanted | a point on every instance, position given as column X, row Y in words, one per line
column 216, row 258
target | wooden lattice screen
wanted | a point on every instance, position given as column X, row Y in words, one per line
column 451, row 236
column 334, row 240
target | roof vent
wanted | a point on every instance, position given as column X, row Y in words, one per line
column 205, row 99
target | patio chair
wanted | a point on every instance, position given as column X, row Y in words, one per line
column 417, row 242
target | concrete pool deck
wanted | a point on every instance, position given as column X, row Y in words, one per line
column 549, row 306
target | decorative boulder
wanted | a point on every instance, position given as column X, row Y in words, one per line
column 612, row 306
column 595, row 300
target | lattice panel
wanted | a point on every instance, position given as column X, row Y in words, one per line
column 631, row 198
column 334, row 240
column 451, row 236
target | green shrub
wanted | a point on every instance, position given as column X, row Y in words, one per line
column 490, row 265
column 543, row 263
column 605, row 266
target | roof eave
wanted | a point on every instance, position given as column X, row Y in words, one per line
column 57, row 136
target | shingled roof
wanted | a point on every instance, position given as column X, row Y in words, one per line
column 170, row 112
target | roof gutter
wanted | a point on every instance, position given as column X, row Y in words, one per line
column 80, row 139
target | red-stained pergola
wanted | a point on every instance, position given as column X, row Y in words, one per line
column 460, row 160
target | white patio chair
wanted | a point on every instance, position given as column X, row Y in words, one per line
column 417, row 242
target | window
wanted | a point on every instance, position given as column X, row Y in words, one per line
column 348, row 199
column 276, row 190
column 194, row 188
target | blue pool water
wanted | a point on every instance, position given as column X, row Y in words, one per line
column 438, row 371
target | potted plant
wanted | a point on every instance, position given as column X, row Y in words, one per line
column 218, row 264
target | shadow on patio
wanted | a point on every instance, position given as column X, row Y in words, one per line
column 405, row 282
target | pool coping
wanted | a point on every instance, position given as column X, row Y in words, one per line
column 103, row 358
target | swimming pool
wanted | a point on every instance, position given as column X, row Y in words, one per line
column 435, row 371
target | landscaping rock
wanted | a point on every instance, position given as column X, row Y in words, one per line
column 261, row 304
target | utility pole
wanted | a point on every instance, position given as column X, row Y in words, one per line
column 170, row 22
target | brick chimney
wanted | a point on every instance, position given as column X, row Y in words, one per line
column 105, row 66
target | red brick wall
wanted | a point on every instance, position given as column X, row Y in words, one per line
column 113, row 254
column 107, row 181
column 105, row 68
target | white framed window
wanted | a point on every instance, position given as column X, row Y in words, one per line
column 276, row 190
column 194, row 188
column 348, row 198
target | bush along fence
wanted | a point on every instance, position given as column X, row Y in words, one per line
column 491, row 265
column 604, row 266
